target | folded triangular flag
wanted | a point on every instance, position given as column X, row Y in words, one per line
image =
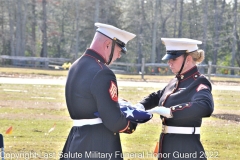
column 135, row 115
column 132, row 114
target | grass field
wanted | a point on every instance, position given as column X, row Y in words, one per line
column 32, row 110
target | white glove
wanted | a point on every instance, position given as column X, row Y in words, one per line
column 166, row 112
column 139, row 106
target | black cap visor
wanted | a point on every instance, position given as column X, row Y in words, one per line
column 121, row 45
column 173, row 54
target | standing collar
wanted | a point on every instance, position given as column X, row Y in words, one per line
column 190, row 72
column 95, row 54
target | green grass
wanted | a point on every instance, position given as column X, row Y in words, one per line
column 227, row 100
column 221, row 138
column 31, row 119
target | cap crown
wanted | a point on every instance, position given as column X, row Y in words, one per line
column 114, row 32
column 178, row 44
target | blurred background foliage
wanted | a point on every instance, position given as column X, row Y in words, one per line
column 65, row 28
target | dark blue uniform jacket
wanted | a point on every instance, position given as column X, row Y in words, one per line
column 190, row 99
column 92, row 87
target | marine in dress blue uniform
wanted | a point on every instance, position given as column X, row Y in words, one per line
column 182, row 104
column 92, row 87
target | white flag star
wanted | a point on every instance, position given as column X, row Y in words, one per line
column 129, row 112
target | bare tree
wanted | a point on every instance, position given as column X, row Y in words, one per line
column 97, row 11
column 77, row 29
column 175, row 19
column 238, row 50
column 234, row 35
column 180, row 19
column 217, row 29
column 216, row 35
column 23, row 27
column 44, row 52
column 2, row 32
column 205, row 23
column 11, row 33
column 140, row 32
column 33, row 26
column 193, row 20
column 61, row 41
column 19, row 28
column 205, row 29
column 163, row 24
column 154, row 34
column 190, row 24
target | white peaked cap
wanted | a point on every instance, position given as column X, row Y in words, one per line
column 177, row 44
column 113, row 32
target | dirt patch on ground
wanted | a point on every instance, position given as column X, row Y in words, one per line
column 231, row 117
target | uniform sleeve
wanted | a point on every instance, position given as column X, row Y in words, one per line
column 201, row 104
column 105, row 92
column 152, row 100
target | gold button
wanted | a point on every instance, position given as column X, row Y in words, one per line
column 196, row 76
column 128, row 127
column 114, row 133
column 133, row 130
column 182, row 76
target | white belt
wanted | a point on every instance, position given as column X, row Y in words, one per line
column 83, row 122
column 180, row 130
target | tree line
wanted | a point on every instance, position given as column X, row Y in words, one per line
column 65, row 28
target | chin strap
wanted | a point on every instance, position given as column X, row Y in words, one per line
column 112, row 51
column 185, row 56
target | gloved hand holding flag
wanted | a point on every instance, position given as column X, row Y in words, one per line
column 132, row 113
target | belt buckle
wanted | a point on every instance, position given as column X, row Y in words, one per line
column 163, row 129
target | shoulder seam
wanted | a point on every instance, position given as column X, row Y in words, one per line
column 99, row 63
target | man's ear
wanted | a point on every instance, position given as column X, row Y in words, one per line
column 107, row 44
